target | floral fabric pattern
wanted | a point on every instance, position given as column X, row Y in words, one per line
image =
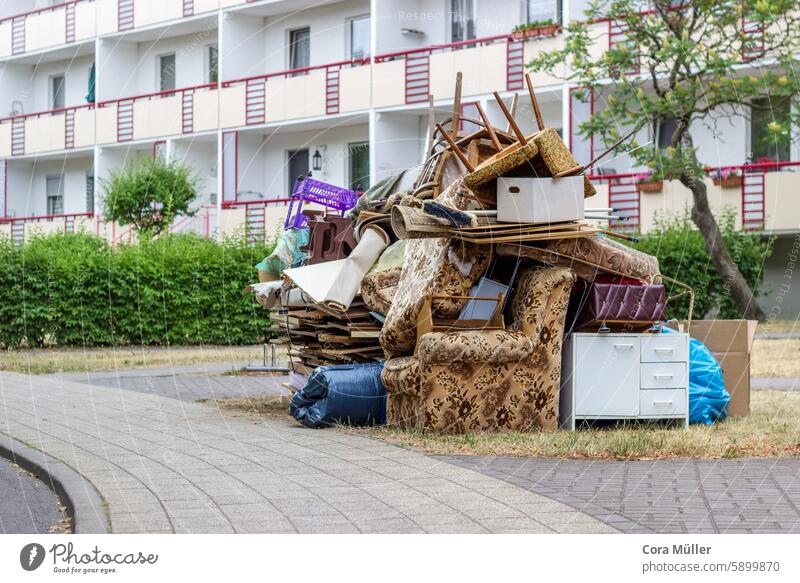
column 378, row 289
column 451, row 387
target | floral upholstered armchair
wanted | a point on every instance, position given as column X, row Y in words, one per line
column 488, row 380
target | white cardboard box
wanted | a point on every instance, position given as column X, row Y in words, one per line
column 539, row 200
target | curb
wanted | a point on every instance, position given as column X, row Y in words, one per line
column 84, row 504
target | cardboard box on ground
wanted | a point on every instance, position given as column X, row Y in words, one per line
column 731, row 342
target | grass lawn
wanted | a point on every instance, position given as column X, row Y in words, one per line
column 775, row 326
column 771, row 430
column 44, row 360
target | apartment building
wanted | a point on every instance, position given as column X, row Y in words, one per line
column 252, row 94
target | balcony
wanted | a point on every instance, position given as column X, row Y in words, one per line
column 124, row 15
column 154, row 115
column 46, row 131
column 43, row 28
column 762, row 200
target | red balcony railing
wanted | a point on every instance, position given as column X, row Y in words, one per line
column 255, row 89
column 18, row 126
column 18, row 23
column 125, row 109
column 417, row 63
column 18, row 224
column 624, row 198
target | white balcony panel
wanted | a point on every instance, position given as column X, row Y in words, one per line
column 205, row 6
column 781, row 203
column 5, row 230
column 5, row 39
column 45, row 29
column 484, row 70
column 533, row 49
column 5, row 139
column 146, row 12
column 231, row 221
column 44, row 228
column 45, row 133
column 84, row 20
column 84, row 127
column 598, row 34
column 388, row 83
column 296, row 97
column 231, row 104
column 354, row 88
column 157, row 117
column 106, row 16
column 227, row 3
column 206, row 111
column 106, row 119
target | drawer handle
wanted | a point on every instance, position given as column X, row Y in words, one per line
column 663, row 376
column 662, row 402
column 623, row 346
column 663, row 349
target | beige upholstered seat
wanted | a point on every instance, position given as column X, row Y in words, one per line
column 488, row 380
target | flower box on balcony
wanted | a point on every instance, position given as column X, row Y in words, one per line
column 652, row 186
column 534, row 30
column 728, row 181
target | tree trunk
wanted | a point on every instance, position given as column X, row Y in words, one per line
column 733, row 279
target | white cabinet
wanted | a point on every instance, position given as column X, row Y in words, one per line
column 624, row 376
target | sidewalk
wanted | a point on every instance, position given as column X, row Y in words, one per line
column 166, row 465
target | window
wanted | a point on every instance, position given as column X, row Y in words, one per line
column 462, row 20
column 297, row 162
column 764, row 144
column 54, row 187
column 213, row 64
column 358, row 154
column 166, row 72
column 89, row 192
column 299, row 48
column 469, row 110
column 359, row 37
column 57, row 91
column 666, row 129
column 538, row 10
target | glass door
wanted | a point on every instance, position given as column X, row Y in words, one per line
column 358, row 154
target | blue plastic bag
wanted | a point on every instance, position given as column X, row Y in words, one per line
column 351, row 394
column 708, row 398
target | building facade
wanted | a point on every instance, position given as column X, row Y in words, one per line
column 251, row 94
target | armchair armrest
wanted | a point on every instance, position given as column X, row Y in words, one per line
column 474, row 346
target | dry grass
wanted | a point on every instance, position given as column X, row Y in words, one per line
column 776, row 326
column 45, row 361
column 772, row 430
column 775, row 357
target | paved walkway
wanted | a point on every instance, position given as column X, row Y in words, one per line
column 165, row 465
column 187, row 383
column 665, row 496
column 775, row 383
column 27, row 505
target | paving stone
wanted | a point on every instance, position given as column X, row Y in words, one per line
column 663, row 496
column 164, row 464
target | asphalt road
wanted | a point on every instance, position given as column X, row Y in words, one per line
column 27, row 505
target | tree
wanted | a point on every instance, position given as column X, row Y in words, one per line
column 681, row 65
column 149, row 193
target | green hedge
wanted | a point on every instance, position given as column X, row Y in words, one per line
column 682, row 255
column 75, row 290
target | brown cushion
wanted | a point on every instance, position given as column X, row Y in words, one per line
column 477, row 346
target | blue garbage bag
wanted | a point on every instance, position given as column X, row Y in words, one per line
column 708, row 398
column 351, row 394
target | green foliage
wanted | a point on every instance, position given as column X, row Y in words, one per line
column 688, row 57
column 75, row 290
column 682, row 255
column 149, row 193
column 534, row 24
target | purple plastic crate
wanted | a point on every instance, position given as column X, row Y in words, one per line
column 314, row 191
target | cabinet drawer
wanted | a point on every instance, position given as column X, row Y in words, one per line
column 664, row 348
column 663, row 375
column 660, row 402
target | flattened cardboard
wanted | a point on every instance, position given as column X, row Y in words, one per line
column 725, row 335
column 736, row 373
